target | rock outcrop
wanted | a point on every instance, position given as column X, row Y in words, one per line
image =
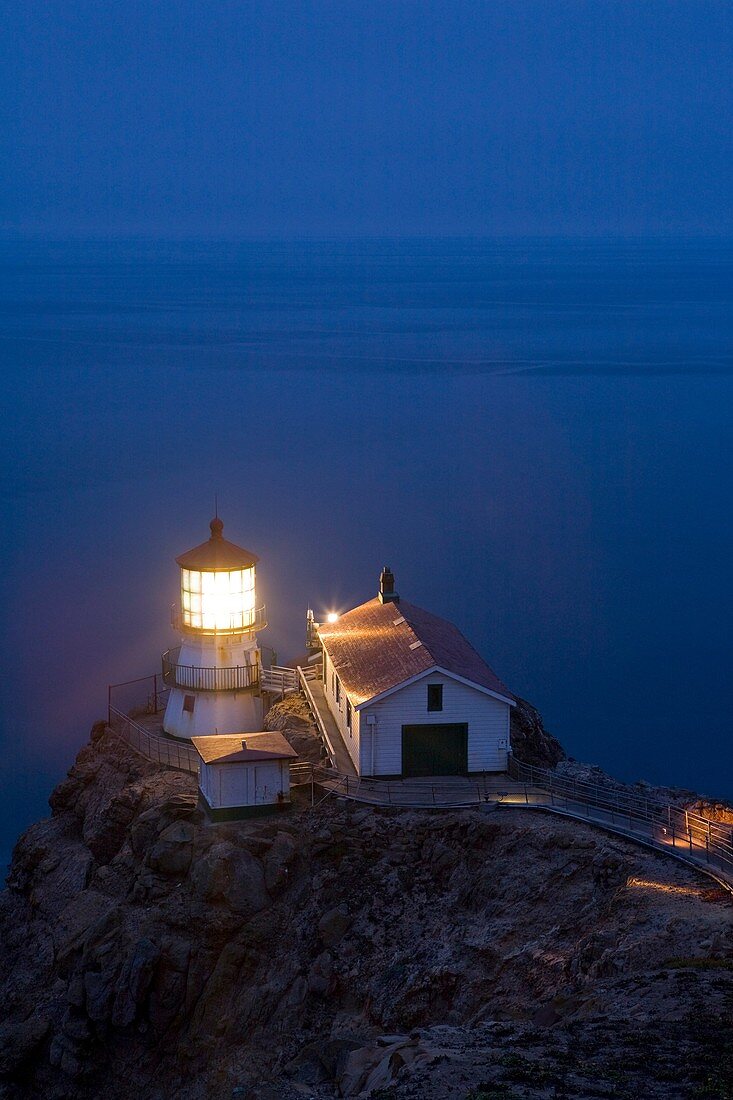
column 345, row 951
column 292, row 718
column 531, row 743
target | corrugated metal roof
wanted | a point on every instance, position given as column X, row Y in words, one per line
column 217, row 553
column 374, row 651
column 231, row 748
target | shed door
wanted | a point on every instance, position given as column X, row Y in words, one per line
column 264, row 785
column 435, row 749
column 233, row 786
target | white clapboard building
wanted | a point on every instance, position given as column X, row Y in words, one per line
column 410, row 695
column 243, row 774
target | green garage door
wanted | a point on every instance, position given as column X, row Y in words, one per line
column 435, row 750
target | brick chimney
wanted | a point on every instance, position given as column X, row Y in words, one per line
column 387, row 593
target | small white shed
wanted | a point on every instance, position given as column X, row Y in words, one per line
column 242, row 775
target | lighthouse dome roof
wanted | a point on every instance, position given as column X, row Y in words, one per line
column 217, row 552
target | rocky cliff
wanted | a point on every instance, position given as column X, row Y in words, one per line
column 530, row 741
column 341, row 951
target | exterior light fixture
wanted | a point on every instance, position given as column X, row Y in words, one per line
column 332, row 617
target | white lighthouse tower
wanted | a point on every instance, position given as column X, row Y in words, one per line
column 214, row 676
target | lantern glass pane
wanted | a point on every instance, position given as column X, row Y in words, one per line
column 218, row 601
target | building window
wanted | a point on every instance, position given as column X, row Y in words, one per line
column 188, row 702
column 338, row 690
column 348, row 714
column 435, row 696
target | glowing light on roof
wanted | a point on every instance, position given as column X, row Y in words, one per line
column 332, row 617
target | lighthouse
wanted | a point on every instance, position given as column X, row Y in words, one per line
column 214, row 676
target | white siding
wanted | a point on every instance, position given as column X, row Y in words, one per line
column 487, row 719
column 350, row 737
column 244, row 784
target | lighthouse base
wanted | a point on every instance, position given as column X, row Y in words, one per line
column 205, row 662
column 200, row 714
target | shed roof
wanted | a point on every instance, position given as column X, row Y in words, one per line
column 235, row 748
column 378, row 646
column 217, row 553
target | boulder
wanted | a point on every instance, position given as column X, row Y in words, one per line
column 230, row 876
column 19, row 1040
column 172, row 851
column 319, row 975
column 334, row 925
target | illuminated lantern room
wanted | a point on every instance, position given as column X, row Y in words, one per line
column 218, row 586
column 214, row 675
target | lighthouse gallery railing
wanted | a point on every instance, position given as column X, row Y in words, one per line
column 199, row 678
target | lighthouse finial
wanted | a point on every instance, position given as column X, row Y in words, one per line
column 216, row 527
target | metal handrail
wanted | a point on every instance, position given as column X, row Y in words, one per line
column 159, row 749
column 304, row 678
column 662, row 825
column 202, row 678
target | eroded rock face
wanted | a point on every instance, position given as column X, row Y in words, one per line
column 293, row 719
column 531, row 743
column 343, row 951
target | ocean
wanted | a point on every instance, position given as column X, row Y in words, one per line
column 534, row 434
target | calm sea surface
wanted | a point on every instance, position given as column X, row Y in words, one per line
column 536, row 436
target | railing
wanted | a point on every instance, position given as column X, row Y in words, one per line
column 159, row 749
column 145, row 695
column 253, row 620
column 199, row 678
column 305, row 675
column 279, row 680
column 302, row 771
column 662, row 825
column 417, row 793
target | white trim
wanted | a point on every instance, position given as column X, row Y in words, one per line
column 420, row 676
